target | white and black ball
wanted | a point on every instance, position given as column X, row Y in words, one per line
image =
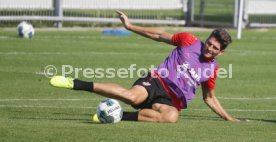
column 109, row 111
column 25, row 30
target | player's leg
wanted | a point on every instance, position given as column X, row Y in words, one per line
column 133, row 96
column 159, row 113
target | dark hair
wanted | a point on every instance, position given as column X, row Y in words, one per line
column 222, row 36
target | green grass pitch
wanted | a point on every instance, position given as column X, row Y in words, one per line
column 32, row 110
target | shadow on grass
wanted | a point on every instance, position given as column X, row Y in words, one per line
column 200, row 117
column 48, row 118
column 91, row 122
column 263, row 120
column 84, row 121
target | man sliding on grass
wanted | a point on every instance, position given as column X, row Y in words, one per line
column 161, row 95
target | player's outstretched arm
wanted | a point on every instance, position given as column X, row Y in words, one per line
column 211, row 100
column 152, row 33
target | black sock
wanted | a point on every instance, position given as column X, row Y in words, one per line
column 83, row 85
column 130, row 116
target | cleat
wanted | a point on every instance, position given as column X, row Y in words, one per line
column 95, row 119
column 62, row 82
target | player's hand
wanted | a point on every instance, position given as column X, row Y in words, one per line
column 239, row 119
column 124, row 19
column 232, row 119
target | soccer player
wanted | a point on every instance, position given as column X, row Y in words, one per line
column 161, row 95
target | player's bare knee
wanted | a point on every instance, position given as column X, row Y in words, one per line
column 134, row 100
column 168, row 114
column 131, row 98
column 158, row 107
column 171, row 117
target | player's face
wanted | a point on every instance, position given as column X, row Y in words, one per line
column 212, row 48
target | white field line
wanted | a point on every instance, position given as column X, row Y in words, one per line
column 79, row 53
column 67, row 37
column 247, row 52
column 91, row 99
column 35, row 100
column 41, row 73
column 251, row 38
column 94, row 99
column 37, row 73
column 237, row 52
column 118, row 37
column 56, row 107
column 244, row 98
column 240, row 110
column 32, row 106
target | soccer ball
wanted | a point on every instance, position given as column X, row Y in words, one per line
column 109, row 111
column 25, row 30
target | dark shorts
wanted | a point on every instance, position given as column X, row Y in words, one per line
column 156, row 92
